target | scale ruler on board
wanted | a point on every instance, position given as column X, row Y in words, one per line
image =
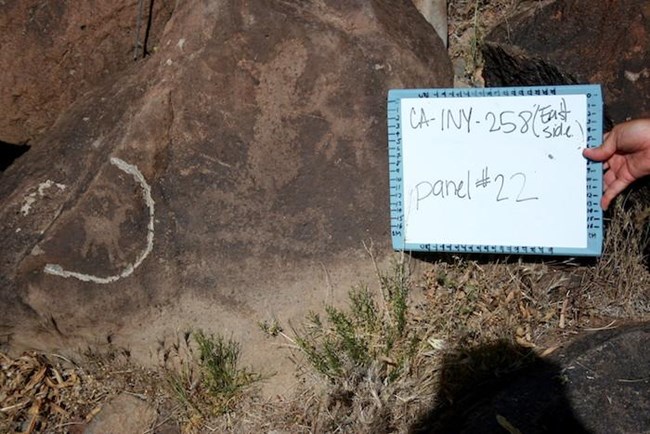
column 496, row 170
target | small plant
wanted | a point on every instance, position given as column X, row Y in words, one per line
column 341, row 344
column 350, row 342
column 209, row 379
column 371, row 353
column 395, row 288
column 271, row 327
column 219, row 360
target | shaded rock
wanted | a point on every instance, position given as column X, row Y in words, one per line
column 607, row 376
column 577, row 41
column 123, row 414
column 258, row 130
column 598, row 384
column 54, row 52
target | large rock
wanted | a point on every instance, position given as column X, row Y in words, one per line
column 597, row 384
column 228, row 173
column 54, row 52
column 578, row 41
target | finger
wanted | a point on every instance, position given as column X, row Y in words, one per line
column 614, row 189
column 606, row 165
column 609, row 178
column 604, row 151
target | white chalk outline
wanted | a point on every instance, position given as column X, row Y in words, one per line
column 131, row 169
column 30, row 199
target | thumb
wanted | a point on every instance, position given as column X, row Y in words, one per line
column 604, row 151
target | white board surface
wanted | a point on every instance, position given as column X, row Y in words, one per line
column 495, row 170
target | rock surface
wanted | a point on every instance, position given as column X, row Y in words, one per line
column 225, row 178
column 54, row 52
column 598, row 384
column 578, row 41
column 608, row 380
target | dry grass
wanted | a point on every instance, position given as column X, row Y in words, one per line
column 372, row 359
column 49, row 393
column 203, row 374
column 35, row 392
column 469, row 22
column 621, row 277
column 467, row 312
column 374, row 366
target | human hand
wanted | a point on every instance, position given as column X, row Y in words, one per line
column 626, row 154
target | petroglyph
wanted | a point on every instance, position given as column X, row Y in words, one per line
column 99, row 228
column 31, row 198
column 57, row 270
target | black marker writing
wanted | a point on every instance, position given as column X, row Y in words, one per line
column 506, row 188
column 549, row 113
column 496, row 178
column 456, row 119
column 442, row 188
column 484, row 180
column 522, row 177
column 546, row 121
column 421, row 120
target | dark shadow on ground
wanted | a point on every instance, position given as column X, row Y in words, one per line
column 500, row 388
column 491, row 258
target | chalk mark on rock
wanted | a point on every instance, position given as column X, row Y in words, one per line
column 57, row 270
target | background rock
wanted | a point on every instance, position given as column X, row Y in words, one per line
column 260, row 127
column 578, row 41
column 54, row 52
column 607, row 380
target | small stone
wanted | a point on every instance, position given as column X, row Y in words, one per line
column 123, row 414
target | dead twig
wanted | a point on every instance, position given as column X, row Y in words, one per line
column 565, row 305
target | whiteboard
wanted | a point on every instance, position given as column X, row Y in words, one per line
column 500, row 172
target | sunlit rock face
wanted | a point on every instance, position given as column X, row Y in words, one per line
column 247, row 150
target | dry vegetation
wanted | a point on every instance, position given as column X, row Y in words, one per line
column 469, row 21
column 376, row 365
column 51, row 393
